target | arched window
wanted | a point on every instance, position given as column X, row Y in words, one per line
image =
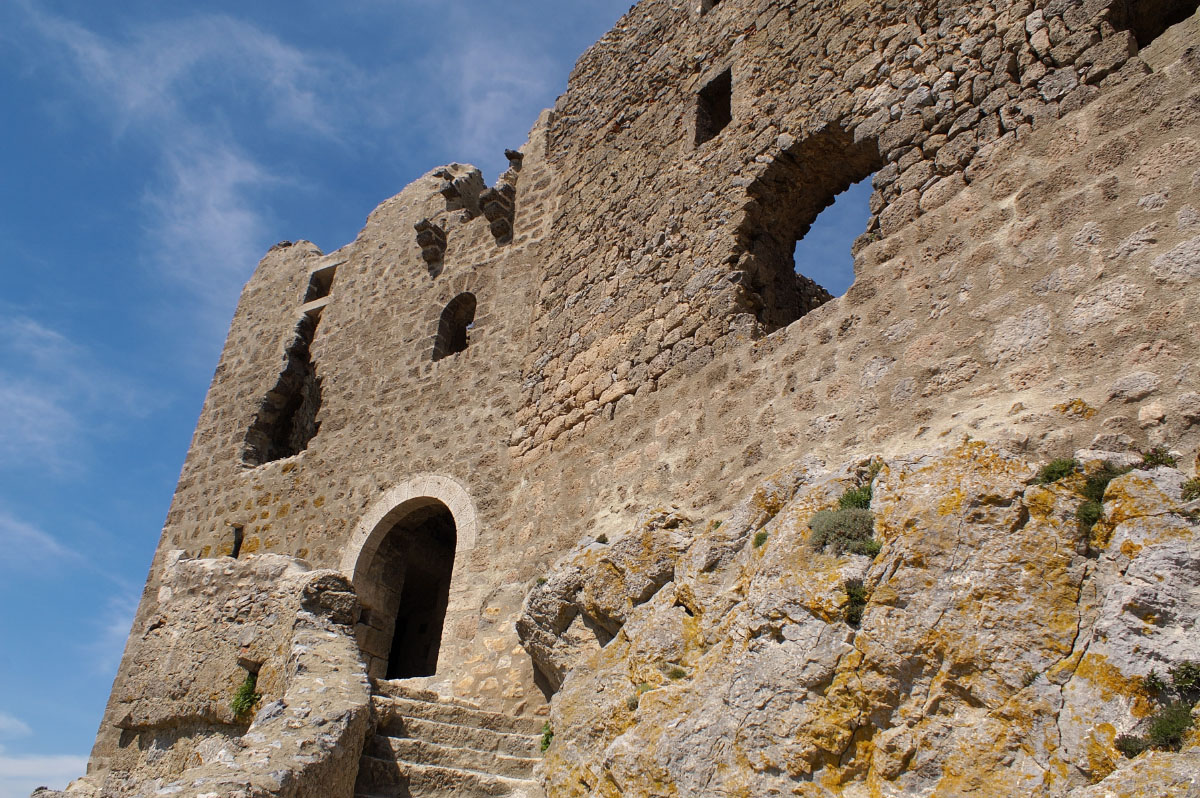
column 454, row 328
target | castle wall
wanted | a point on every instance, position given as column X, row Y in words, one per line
column 1026, row 278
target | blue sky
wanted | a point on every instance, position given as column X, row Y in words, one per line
column 151, row 153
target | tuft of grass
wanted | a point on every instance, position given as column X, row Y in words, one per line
column 676, row 673
column 547, row 736
column 541, row 580
column 1191, row 489
column 1056, row 470
column 631, row 703
column 856, row 498
column 760, row 538
column 1157, row 456
column 1169, row 725
column 844, row 531
column 856, row 601
column 246, row 696
column 1030, row 677
column 602, row 538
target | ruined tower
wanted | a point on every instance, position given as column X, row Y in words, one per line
column 402, row 436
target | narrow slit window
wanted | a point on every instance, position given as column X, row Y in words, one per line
column 714, row 107
column 455, row 326
column 287, row 417
column 239, row 535
column 320, row 284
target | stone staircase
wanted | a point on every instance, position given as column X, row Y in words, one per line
column 430, row 747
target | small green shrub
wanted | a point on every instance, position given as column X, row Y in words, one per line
column 1030, row 677
column 1056, row 470
column 1097, row 482
column 541, row 580
column 856, row 601
column 245, row 697
column 1130, row 744
column 1153, row 683
column 676, row 673
column 856, row 498
column 547, row 736
column 602, row 538
column 849, row 530
column 1185, row 680
column 760, row 538
column 1169, row 724
column 644, row 687
column 632, row 702
column 1191, row 489
column 1088, row 514
column 716, row 525
column 1158, row 456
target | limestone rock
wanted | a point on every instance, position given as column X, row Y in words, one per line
column 993, row 657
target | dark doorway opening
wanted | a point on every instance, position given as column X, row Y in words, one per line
column 413, row 569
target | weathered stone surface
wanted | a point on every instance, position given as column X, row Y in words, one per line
column 994, row 655
column 216, row 618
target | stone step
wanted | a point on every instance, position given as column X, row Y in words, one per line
column 383, row 778
column 453, row 735
column 387, row 706
column 421, row 752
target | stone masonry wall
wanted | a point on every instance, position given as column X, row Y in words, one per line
column 1026, row 278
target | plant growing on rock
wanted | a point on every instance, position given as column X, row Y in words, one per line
column 1191, row 489
column 547, row 736
column 246, row 696
column 856, row 498
column 844, row 531
column 1092, row 507
column 1056, row 470
column 856, row 601
column 1166, row 728
column 760, row 538
column 1157, row 456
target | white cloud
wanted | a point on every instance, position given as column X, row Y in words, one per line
column 21, row 774
column 50, row 388
column 487, row 110
column 26, row 547
column 200, row 92
column 13, row 727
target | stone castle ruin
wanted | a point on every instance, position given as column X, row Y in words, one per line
column 531, row 467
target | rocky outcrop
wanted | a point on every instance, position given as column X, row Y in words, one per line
column 217, row 621
column 1000, row 651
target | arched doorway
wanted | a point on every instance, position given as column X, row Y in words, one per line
column 407, row 590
